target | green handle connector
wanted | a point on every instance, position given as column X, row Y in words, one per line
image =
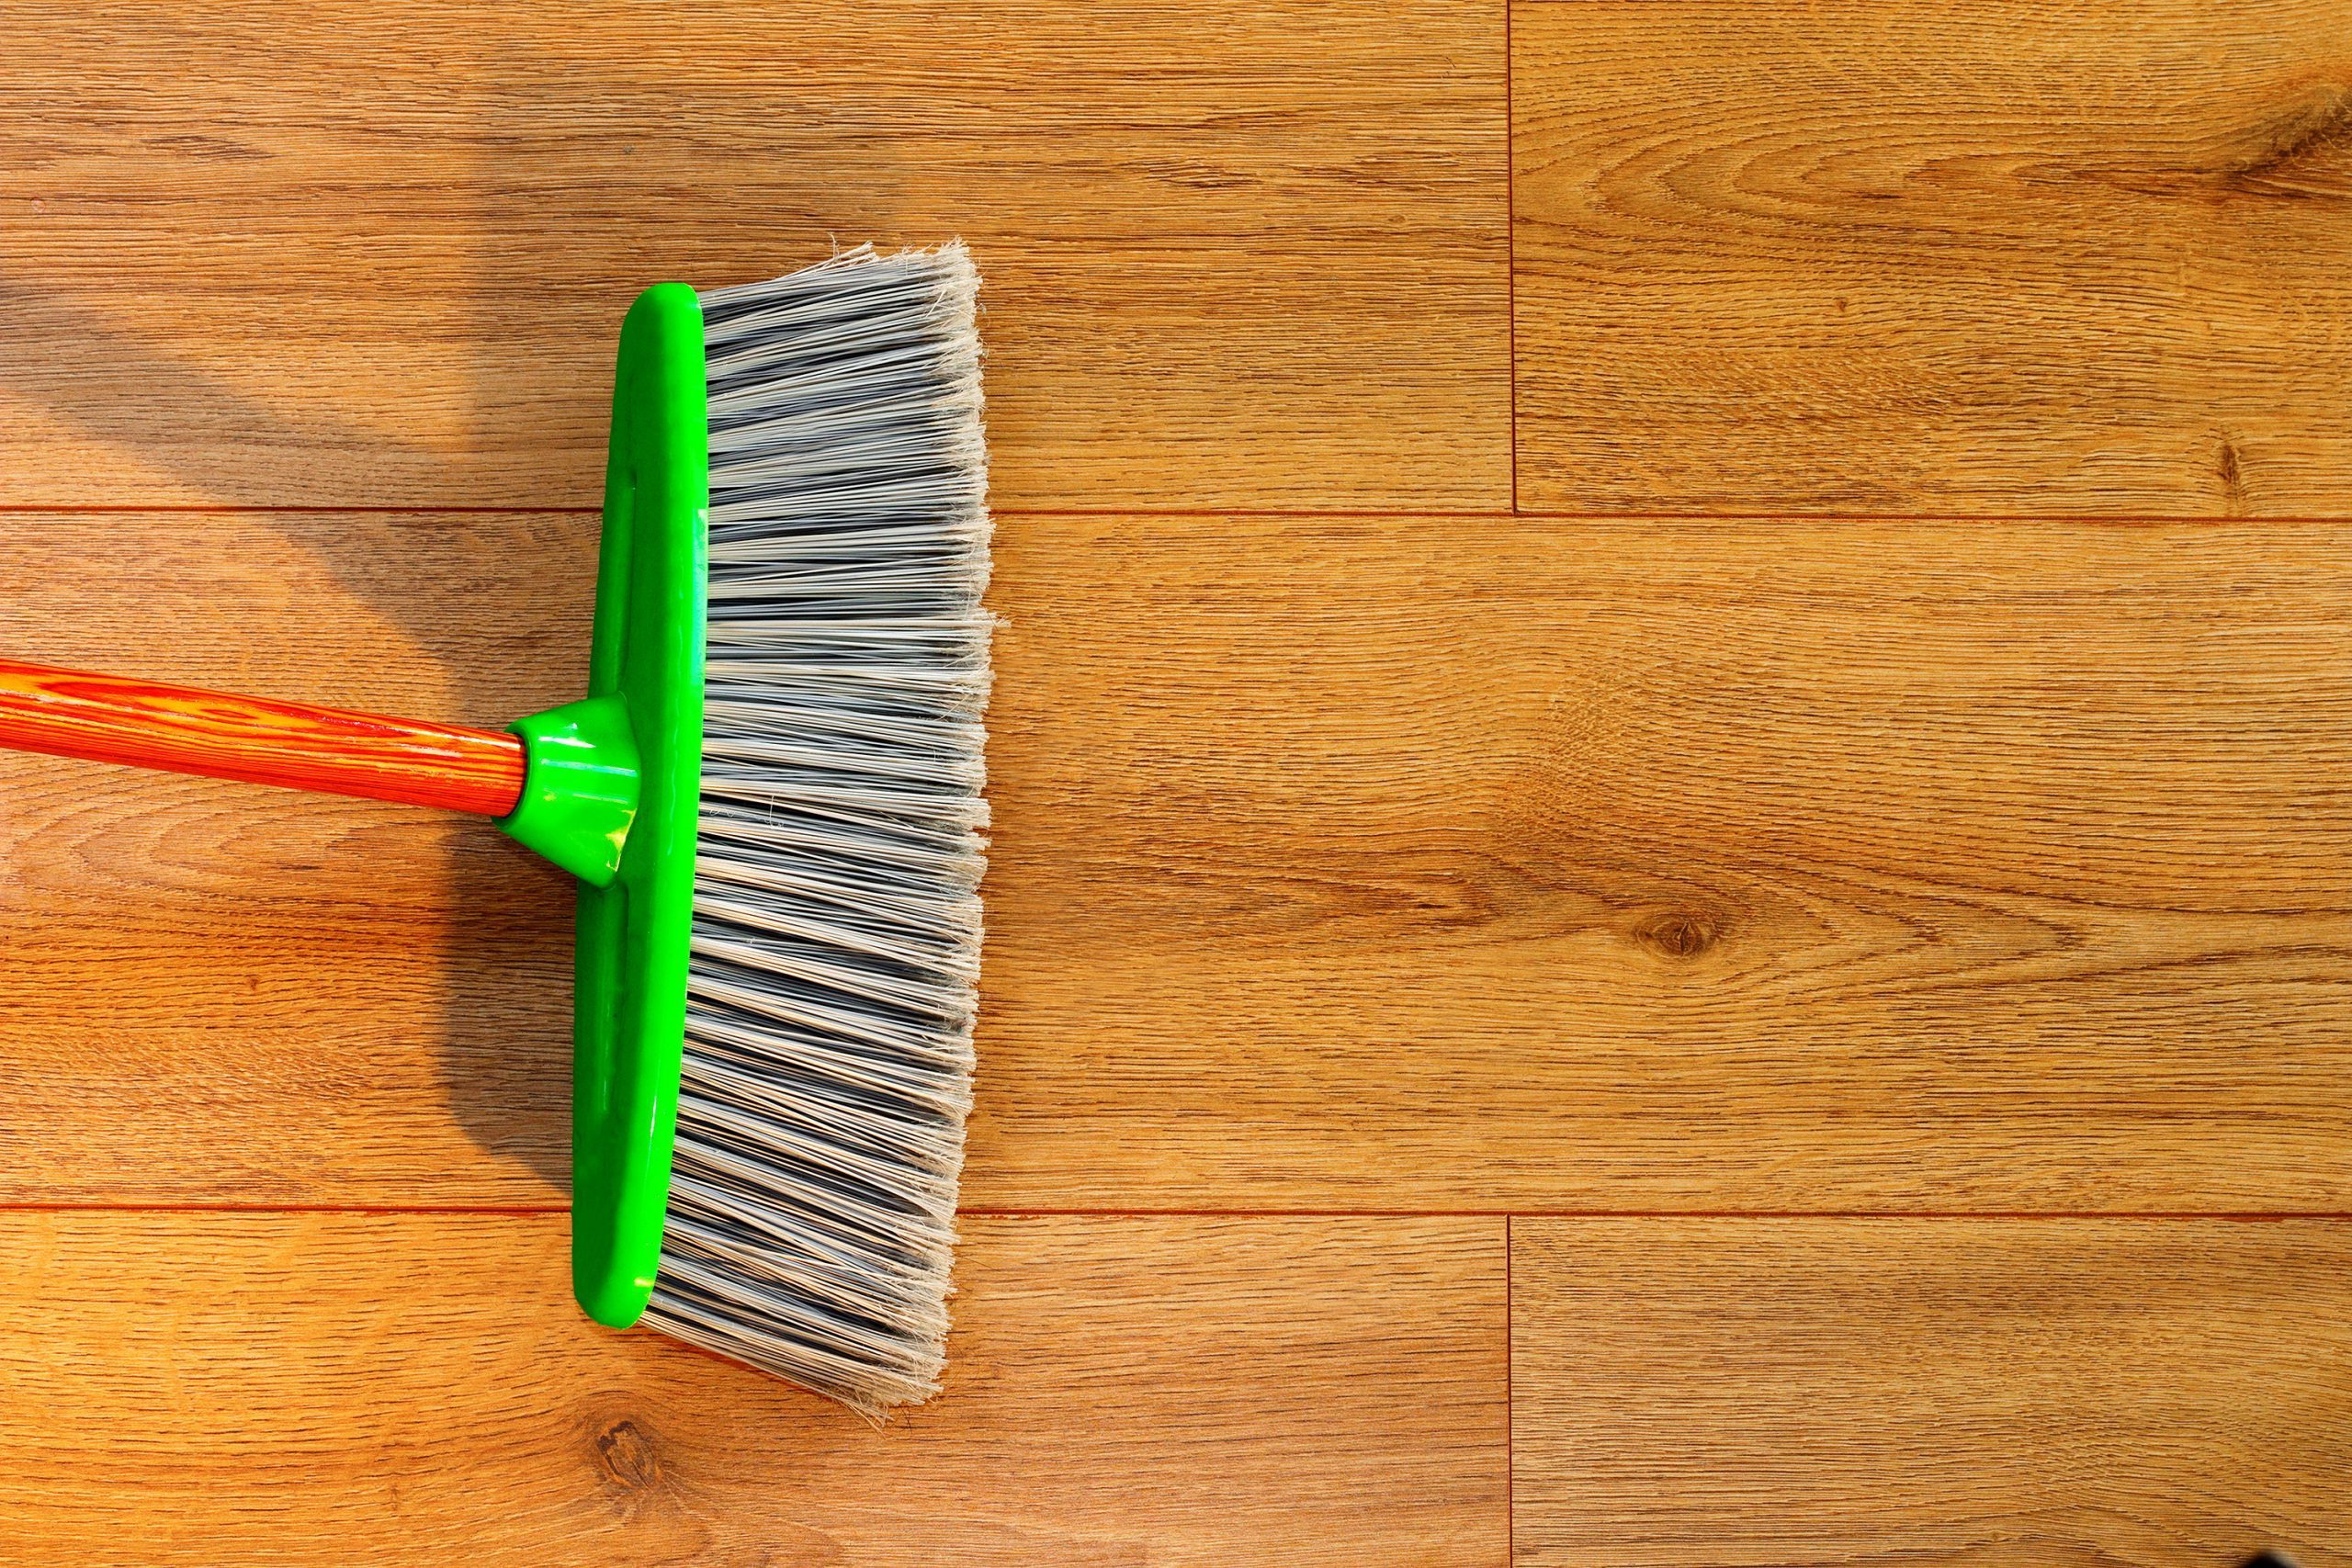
column 612, row 795
column 580, row 792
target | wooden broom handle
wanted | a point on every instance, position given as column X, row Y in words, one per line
column 106, row 719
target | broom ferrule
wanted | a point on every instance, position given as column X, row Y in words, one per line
column 581, row 791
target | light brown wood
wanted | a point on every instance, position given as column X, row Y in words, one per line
column 398, row 1389
column 1348, row 863
column 1235, row 253
column 1986, row 1393
column 1995, row 257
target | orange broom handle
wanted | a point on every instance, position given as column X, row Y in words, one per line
column 107, row 719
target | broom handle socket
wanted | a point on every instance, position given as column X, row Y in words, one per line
column 109, row 718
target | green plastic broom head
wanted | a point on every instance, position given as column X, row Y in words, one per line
column 613, row 793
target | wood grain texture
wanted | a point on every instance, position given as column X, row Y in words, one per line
column 1235, row 253
column 1992, row 1394
column 1994, row 256
column 378, row 1390
column 255, row 739
column 1354, row 863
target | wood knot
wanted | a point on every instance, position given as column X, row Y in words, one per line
column 2232, row 469
column 1677, row 933
column 2313, row 127
column 625, row 1453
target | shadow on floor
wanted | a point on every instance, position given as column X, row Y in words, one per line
column 504, row 1043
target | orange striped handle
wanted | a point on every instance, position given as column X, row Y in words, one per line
column 106, row 719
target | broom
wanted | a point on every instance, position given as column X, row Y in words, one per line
column 771, row 797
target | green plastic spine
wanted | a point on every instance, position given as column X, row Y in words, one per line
column 613, row 794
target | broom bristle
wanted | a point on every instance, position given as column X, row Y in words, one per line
column 837, row 917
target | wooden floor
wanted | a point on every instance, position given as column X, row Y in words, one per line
column 1673, row 761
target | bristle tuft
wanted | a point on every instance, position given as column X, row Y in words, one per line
column 837, row 918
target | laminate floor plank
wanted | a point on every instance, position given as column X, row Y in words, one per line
column 1992, row 1394
column 1234, row 255
column 1991, row 257
column 344, row 1389
column 1341, row 864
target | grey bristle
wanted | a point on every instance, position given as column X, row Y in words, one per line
column 837, row 917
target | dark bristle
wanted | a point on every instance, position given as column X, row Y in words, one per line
column 837, row 920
